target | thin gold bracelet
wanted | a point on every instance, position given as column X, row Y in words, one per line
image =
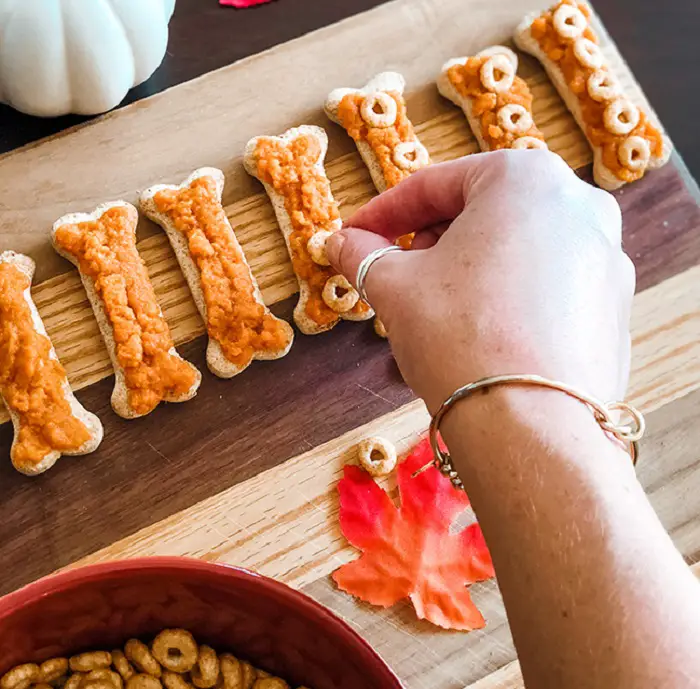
column 603, row 412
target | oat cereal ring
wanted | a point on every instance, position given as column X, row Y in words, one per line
column 601, row 86
column 92, row 660
column 144, row 681
column 98, row 683
column 621, row 117
column 569, row 21
column 74, row 681
column 231, row 672
column 175, row 650
column 528, row 143
column 377, row 456
column 53, row 668
column 173, row 680
column 137, row 652
column 380, row 328
column 122, row 665
column 497, row 73
column 410, row 155
column 588, row 53
column 206, row 671
column 106, row 674
column 339, row 295
column 514, row 118
column 379, row 109
column 317, row 247
column 248, row 674
column 270, row 683
column 634, row 153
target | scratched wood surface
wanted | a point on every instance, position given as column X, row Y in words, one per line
column 246, row 472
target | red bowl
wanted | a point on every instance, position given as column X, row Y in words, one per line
column 261, row 620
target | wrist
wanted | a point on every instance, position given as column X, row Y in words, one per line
column 508, row 423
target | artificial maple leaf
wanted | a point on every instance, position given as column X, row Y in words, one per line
column 411, row 552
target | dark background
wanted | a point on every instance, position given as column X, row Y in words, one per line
column 659, row 39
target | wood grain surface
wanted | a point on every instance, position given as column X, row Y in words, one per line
column 246, row 473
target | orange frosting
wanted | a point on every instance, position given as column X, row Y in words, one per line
column 106, row 252
column 32, row 383
column 235, row 318
column 383, row 140
column 289, row 168
column 466, row 79
column 560, row 50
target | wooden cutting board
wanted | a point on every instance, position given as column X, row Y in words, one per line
column 246, row 472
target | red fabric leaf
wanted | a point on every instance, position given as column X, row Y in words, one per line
column 410, row 552
column 240, row 4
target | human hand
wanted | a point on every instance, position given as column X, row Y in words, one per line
column 516, row 267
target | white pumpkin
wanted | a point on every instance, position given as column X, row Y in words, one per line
column 78, row 56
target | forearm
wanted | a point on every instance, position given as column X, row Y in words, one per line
column 596, row 594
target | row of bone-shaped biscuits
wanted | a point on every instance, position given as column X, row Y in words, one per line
column 391, row 155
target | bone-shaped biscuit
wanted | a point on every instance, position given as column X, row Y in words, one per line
column 241, row 328
column 375, row 117
column 496, row 102
column 291, row 169
column 626, row 141
column 48, row 420
column 148, row 369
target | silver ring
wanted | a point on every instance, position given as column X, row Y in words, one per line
column 366, row 264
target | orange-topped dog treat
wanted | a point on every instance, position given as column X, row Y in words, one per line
column 496, row 101
column 375, row 117
column 291, row 169
column 48, row 420
column 626, row 141
column 148, row 370
column 240, row 326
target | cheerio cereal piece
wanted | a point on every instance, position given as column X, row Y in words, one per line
column 380, row 328
column 174, row 680
column 106, row 674
column 53, row 668
column 270, row 683
column 20, row 676
column 139, row 654
column 377, row 456
column 248, row 674
column 74, row 681
column 339, row 295
column 91, row 660
column 144, row 681
column 122, row 665
column 205, row 673
column 97, row 683
column 175, row 650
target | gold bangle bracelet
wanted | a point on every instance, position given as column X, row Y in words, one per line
column 603, row 412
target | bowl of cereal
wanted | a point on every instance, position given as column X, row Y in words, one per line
column 177, row 623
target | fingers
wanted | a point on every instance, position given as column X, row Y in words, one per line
column 347, row 247
column 433, row 195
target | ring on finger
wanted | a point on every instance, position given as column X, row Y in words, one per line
column 366, row 264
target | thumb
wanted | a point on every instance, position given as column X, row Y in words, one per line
column 347, row 247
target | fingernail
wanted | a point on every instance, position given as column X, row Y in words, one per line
column 334, row 246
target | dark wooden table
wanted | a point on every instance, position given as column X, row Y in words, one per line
column 658, row 39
